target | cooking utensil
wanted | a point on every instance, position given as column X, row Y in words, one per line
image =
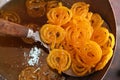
column 102, row 7
column 16, row 30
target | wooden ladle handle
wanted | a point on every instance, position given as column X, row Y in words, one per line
column 13, row 29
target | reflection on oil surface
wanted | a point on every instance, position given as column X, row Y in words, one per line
column 12, row 60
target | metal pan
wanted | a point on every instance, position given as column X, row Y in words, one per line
column 12, row 49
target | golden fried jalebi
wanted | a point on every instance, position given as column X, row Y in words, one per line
column 59, row 59
column 79, row 70
column 29, row 73
column 59, row 15
column 77, row 39
column 80, row 10
column 69, row 32
column 66, row 46
column 96, row 21
column 83, row 31
column 77, row 59
column 52, row 34
column 91, row 53
column 51, row 4
column 105, row 58
column 110, row 42
column 35, row 8
column 34, row 3
column 11, row 16
column 100, row 35
column 69, row 47
column 78, row 31
column 89, row 16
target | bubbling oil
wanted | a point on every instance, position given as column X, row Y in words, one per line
column 12, row 60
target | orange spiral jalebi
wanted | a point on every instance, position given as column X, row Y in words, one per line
column 77, row 39
column 80, row 10
column 51, row 4
column 89, row 16
column 11, row 16
column 110, row 42
column 69, row 32
column 91, row 53
column 52, row 34
column 83, row 31
column 80, row 31
column 79, row 70
column 100, row 36
column 96, row 21
column 59, row 59
column 107, row 54
column 59, row 15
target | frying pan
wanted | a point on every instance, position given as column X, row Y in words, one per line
column 12, row 49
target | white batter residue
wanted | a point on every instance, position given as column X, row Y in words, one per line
column 34, row 56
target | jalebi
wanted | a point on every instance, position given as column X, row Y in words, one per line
column 79, row 70
column 100, row 35
column 51, row 4
column 80, row 10
column 89, row 16
column 78, row 39
column 90, row 53
column 107, row 54
column 11, row 16
column 96, row 21
column 52, row 34
column 110, row 42
column 59, row 15
column 83, row 31
column 59, row 59
column 80, row 31
column 35, row 8
column 29, row 73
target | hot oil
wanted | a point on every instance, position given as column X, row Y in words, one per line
column 12, row 60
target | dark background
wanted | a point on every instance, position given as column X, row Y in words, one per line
column 114, row 71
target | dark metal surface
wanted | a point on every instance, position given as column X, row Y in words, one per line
column 100, row 6
column 114, row 71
